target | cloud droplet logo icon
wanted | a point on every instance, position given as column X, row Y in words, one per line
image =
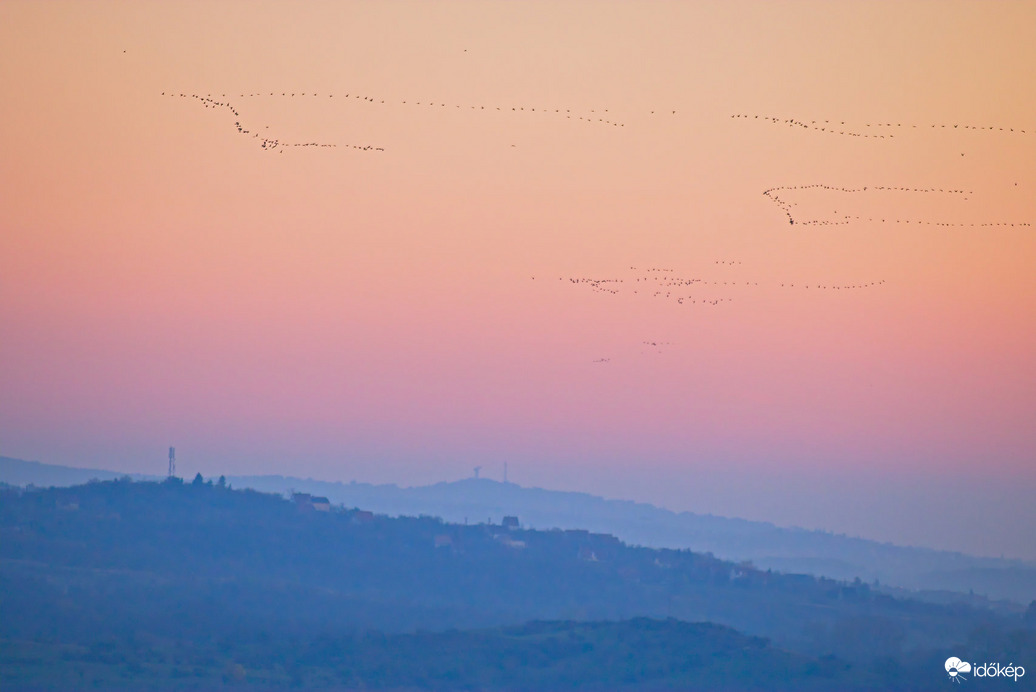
column 956, row 667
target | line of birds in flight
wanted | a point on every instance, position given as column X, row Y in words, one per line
column 669, row 286
column 266, row 143
column 664, row 283
column 839, row 127
column 820, row 126
column 595, row 115
column 787, row 206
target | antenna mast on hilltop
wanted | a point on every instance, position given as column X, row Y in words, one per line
column 172, row 461
column 477, row 469
column 505, row 473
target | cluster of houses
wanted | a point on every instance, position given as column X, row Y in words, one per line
column 510, row 523
column 305, row 501
column 317, row 503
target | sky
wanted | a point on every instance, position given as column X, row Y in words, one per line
column 765, row 260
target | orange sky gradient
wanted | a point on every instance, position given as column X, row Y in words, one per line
column 339, row 313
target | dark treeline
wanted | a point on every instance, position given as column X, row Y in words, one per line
column 638, row 654
column 121, row 584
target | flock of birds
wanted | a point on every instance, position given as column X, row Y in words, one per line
column 594, row 116
column 854, row 218
column 265, row 142
column 834, row 128
column 659, row 282
column 663, row 283
column 787, row 206
column 838, row 127
column 659, row 346
column 877, row 131
column 656, row 286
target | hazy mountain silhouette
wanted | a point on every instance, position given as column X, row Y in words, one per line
column 22, row 473
column 173, row 585
column 767, row 546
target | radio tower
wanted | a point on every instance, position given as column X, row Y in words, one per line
column 172, row 461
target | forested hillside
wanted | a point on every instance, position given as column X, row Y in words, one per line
column 930, row 574
column 212, row 577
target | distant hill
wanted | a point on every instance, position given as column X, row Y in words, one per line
column 790, row 550
column 168, row 585
column 22, row 473
column 767, row 546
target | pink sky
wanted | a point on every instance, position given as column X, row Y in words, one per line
column 345, row 314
